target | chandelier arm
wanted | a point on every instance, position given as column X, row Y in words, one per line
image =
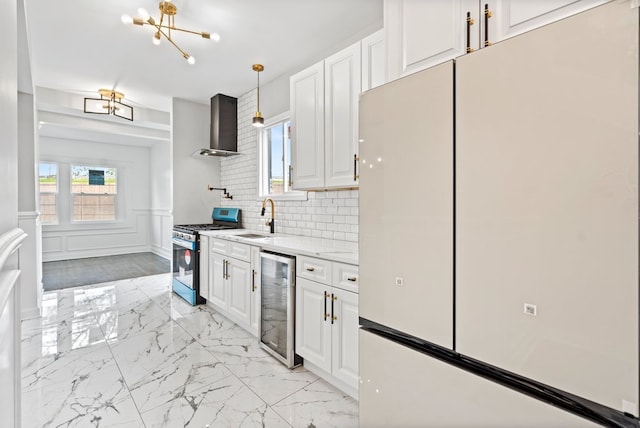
column 181, row 29
column 184, row 54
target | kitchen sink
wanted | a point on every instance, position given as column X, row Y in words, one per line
column 250, row 236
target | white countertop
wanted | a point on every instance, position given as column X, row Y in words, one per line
column 328, row 249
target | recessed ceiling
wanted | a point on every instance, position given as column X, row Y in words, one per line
column 81, row 46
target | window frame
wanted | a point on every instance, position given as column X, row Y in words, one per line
column 263, row 163
column 116, row 199
column 56, row 192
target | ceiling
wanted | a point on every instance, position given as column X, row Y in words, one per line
column 81, row 46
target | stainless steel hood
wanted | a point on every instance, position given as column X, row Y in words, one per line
column 223, row 138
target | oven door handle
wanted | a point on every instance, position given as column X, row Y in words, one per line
column 184, row 244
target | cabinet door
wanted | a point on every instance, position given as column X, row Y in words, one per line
column 313, row 324
column 254, row 300
column 424, row 33
column 374, row 61
column 513, row 17
column 307, row 127
column 204, row 266
column 342, row 73
column 217, row 281
column 344, row 336
column 239, row 279
column 547, row 205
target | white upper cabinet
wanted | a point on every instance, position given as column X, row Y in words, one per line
column 421, row 33
column 324, row 118
column 424, row 33
column 307, row 127
column 513, row 17
column 374, row 60
column 342, row 88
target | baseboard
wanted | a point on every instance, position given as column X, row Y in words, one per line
column 98, row 252
column 329, row 378
column 162, row 252
column 30, row 313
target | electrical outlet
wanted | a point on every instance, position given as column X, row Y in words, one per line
column 399, row 281
column 530, row 309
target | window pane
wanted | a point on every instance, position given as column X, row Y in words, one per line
column 286, row 156
column 94, row 192
column 48, row 183
column 94, row 207
column 93, row 180
column 276, row 160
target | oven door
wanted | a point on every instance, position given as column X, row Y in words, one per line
column 185, row 270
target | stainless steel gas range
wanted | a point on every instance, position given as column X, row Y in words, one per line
column 186, row 249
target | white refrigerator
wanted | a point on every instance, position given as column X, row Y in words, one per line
column 499, row 233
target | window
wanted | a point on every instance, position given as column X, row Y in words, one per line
column 276, row 160
column 93, row 191
column 48, row 183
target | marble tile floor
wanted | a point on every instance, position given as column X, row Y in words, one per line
column 130, row 353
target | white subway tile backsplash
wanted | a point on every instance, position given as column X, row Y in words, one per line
column 332, row 214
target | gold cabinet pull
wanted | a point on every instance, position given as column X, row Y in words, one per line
column 470, row 22
column 352, row 279
column 333, row 299
column 487, row 15
column 326, row 315
column 310, row 269
column 356, row 158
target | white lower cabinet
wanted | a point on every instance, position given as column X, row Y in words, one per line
column 254, row 303
column 231, row 286
column 327, row 324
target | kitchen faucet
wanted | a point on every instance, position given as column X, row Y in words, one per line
column 271, row 223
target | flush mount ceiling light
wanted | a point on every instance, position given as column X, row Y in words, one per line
column 258, row 120
column 110, row 102
column 168, row 10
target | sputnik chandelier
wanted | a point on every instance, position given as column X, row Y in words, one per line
column 165, row 25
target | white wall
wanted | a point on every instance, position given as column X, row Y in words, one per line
column 28, row 217
column 130, row 233
column 161, row 196
column 192, row 202
column 332, row 215
column 9, row 313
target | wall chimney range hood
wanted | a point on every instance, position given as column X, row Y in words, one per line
column 223, row 138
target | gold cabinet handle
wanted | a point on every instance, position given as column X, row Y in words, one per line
column 310, row 269
column 470, row 22
column 487, row 15
column 333, row 299
column 352, row 279
column 356, row 158
column 326, row 315
column 253, row 280
column 290, row 176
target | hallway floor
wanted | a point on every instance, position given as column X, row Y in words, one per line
column 130, row 353
column 93, row 270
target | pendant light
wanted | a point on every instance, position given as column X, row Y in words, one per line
column 258, row 120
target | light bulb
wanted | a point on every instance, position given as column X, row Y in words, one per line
column 156, row 38
column 126, row 19
column 143, row 13
column 191, row 60
column 215, row 37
